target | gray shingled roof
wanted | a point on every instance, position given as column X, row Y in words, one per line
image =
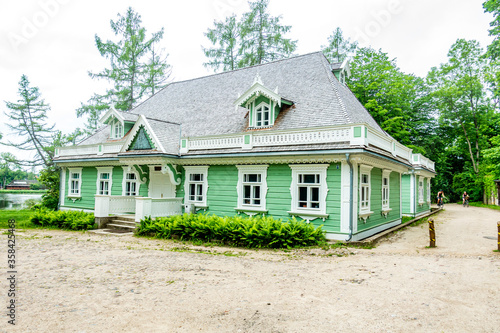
column 205, row 106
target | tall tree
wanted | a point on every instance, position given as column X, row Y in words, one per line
column 225, row 51
column 339, row 47
column 459, row 93
column 263, row 36
column 255, row 39
column 157, row 71
column 28, row 119
column 493, row 7
column 131, row 73
column 395, row 100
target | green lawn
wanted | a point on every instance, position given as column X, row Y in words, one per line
column 22, row 217
column 23, row 191
column 480, row 204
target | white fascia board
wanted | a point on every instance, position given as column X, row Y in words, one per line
column 112, row 111
column 258, row 88
column 133, row 132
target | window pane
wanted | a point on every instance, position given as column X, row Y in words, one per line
column 256, row 192
column 131, row 176
column 247, row 190
column 311, row 179
column 196, row 177
column 105, row 175
column 314, row 193
column 364, row 179
column 252, row 178
column 199, row 188
column 302, row 193
column 192, row 191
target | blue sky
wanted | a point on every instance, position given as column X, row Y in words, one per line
column 52, row 41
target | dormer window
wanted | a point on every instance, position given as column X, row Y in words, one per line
column 262, row 103
column 263, row 115
column 116, row 129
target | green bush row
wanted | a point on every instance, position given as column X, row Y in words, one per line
column 251, row 232
column 67, row 219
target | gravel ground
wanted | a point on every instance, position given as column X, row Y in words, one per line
column 81, row 282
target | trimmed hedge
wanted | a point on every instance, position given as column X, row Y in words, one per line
column 63, row 219
column 251, row 232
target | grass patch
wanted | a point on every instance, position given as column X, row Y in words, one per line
column 480, row 204
column 23, row 191
column 22, row 217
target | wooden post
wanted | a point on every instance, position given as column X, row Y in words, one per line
column 432, row 233
column 498, row 225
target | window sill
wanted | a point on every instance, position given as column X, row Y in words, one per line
column 250, row 211
column 74, row 198
column 364, row 215
column 385, row 211
column 309, row 215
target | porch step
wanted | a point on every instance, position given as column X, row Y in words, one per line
column 120, row 226
column 129, row 218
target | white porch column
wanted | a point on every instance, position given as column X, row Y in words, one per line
column 101, row 206
column 142, row 208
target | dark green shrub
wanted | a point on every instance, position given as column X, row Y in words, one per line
column 252, row 232
column 72, row 220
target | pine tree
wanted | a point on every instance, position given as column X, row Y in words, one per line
column 262, row 36
column 136, row 68
column 29, row 122
column 255, row 39
column 339, row 47
column 225, row 37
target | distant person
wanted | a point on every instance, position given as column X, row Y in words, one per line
column 465, row 199
column 440, row 197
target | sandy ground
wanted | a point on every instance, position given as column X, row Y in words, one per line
column 80, row 282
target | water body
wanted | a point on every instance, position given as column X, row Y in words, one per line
column 17, row 201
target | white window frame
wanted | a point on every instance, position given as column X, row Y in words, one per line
column 429, row 190
column 420, row 190
column 365, row 206
column 261, row 171
column 262, row 105
column 116, row 129
column 190, row 170
column 75, row 192
column 386, row 190
column 309, row 169
column 137, row 182
column 100, row 171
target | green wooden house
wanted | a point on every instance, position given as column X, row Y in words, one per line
column 286, row 138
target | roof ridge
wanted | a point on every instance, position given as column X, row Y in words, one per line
column 329, row 74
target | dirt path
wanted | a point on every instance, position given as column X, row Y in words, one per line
column 78, row 282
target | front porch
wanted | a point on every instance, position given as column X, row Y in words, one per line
column 141, row 207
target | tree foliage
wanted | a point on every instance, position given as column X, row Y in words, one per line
column 137, row 68
column 28, row 121
column 255, row 39
column 339, row 47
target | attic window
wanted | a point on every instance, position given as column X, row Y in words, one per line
column 116, row 129
column 262, row 115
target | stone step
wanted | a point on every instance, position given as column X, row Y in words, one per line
column 123, row 222
column 120, row 226
column 130, row 218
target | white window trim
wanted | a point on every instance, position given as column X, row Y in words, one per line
column 309, row 213
column 365, row 212
column 386, row 174
column 196, row 170
column 137, row 180
column 113, row 134
column 420, row 190
column 428, row 190
column 252, row 169
column 79, row 194
column 98, row 181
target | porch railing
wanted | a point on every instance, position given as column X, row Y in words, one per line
column 106, row 205
column 157, row 207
